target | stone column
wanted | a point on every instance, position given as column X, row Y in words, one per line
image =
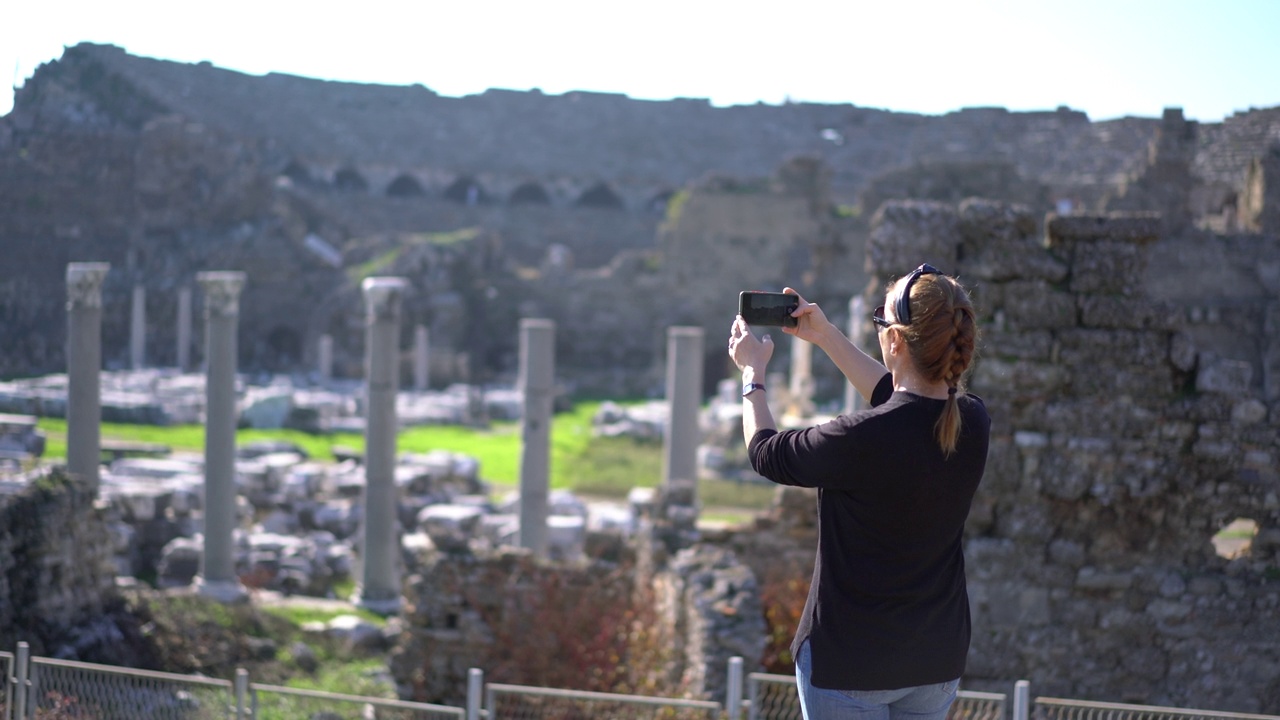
column 537, row 383
column 379, row 588
column 853, row 401
column 184, row 328
column 800, row 385
column 138, row 329
column 324, row 360
column 421, row 358
column 684, row 398
column 217, row 577
column 84, row 364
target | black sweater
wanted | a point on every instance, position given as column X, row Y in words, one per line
column 888, row 607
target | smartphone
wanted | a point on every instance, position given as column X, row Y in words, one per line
column 768, row 308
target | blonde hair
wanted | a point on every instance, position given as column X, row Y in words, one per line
column 943, row 337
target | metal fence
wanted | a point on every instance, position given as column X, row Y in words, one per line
column 1059, row 709
column 6, row 695
column 46, row 689
column 774, row 697
column 66, row 689
column 521, row 702
column 274, row 702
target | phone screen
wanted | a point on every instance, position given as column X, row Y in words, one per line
column 767, row 308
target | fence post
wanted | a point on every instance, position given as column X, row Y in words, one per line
column 1021, row 700
column 475, row 688
column 20, row 692
column 242, row 690
column 733, row 692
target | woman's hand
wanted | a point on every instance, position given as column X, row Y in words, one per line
column 812, row 324
column 747, row 351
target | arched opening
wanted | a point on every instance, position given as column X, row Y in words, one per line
column 405, row 186
column 465, row 190
column 658, row 203
column 600, row 196
column 530, row 193
column 298, row 173
column 348, row 180
column 284, row 345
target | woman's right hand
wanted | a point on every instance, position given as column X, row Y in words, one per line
column 811, row 323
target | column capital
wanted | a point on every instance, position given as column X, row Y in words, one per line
column 84, row 284
column 383, row 295
column 221, row 291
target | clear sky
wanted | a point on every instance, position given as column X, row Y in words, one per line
column 1109, row 58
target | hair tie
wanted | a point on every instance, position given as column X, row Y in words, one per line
column 951, row 391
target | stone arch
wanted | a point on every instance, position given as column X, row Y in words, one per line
column 350, row 180
column 284, row 347
column 600, row 195
column 658, row 203
column 405, row 186
column 530, row 193
column 298, row 173
column 466, row 190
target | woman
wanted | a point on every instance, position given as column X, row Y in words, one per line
column 885, row 630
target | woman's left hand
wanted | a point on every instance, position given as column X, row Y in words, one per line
column 746, row 350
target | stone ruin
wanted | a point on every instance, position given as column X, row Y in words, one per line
column 517, row 205
column 1130, row 359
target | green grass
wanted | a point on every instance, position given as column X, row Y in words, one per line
column 608, row 467
column 300, row 614
column 353, row 677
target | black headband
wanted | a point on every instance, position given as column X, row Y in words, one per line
column 902, row 304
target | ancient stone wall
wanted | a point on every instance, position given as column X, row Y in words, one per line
column 1119, row 450
column 165, row 169
column 598, row 626
column 56, row 576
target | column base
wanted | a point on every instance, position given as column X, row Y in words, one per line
column 224, row 591
column 385, row 606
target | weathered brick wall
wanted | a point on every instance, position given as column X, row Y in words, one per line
column 1119, row 449
column 56, row 574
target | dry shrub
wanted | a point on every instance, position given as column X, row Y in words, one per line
column 588, row 629
column 783, row 596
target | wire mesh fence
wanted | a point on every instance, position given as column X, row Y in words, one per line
column 519, row 702
column 774, row 697
column 273, row 702
column 970, row 705
column 6, row 675
column 1062, row 709
column 59, row 689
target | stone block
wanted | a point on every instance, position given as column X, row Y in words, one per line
column 1067, row 552
column 1028, row 345
column 1224, row 375
column 1248, row 412
column 1091, row 578
column 1132, row 381
column 1096, row 349
column 983, row 221
column 1168, row 610
column 1035, row 305
column 908, row 232
column 1127, row 227
column 1016, row 607
column 1131, row 313
column 1182, row 352
column 1021, row 380
column 1110, row 267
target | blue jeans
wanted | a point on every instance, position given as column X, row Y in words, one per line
column 923, row 702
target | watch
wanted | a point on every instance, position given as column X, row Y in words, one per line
column 749, row 388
